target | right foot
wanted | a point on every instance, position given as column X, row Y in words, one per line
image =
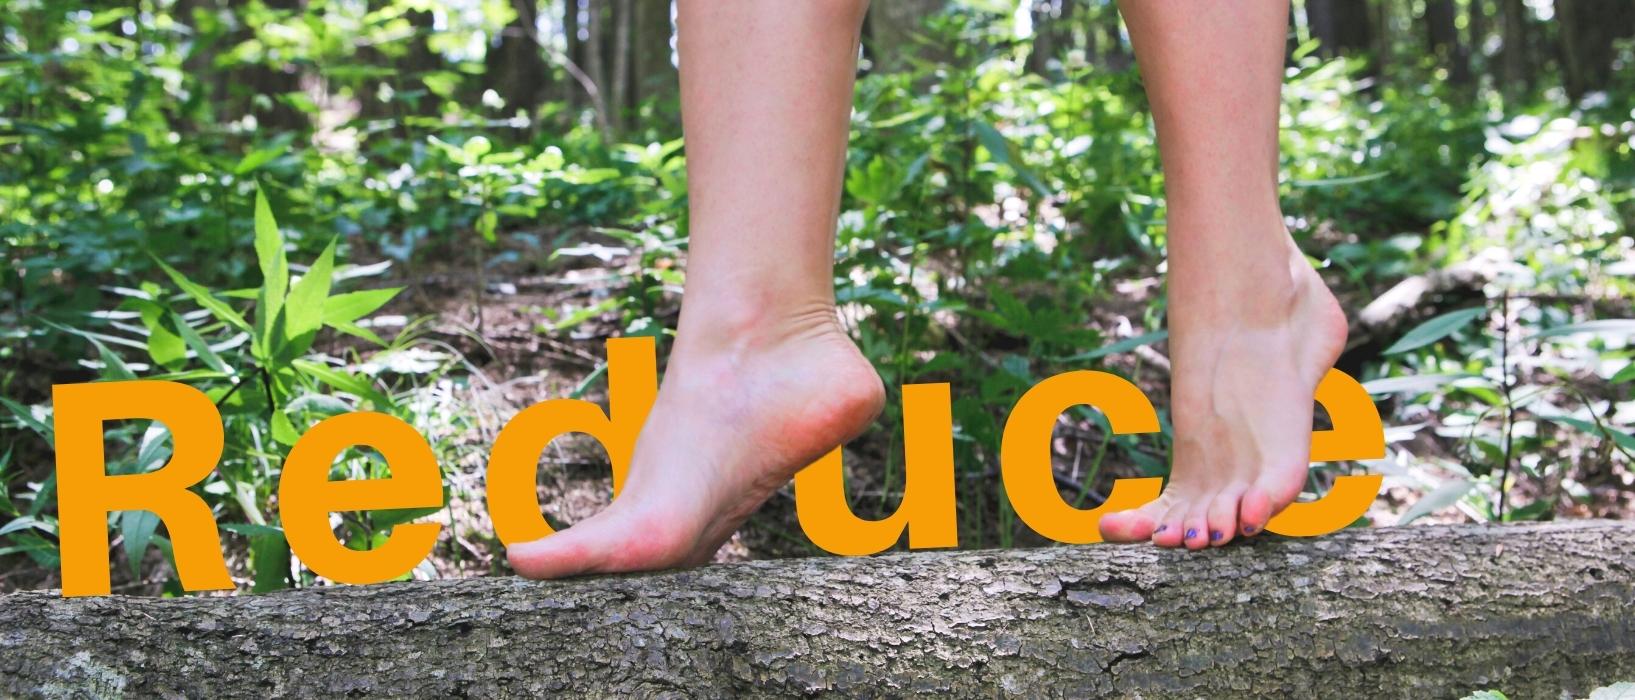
column 739, row 412
column 1245, row 372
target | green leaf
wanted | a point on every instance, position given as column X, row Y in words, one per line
column 191, row 375
column 441, row 83
column 504, row 158
column 217, row 307
column 475, row 148
column 252, row 530
column 283, row 431
column 26, row 417
column 137, row 527
column 270, row 558
column 343, row 381
column 42, row 551
column 353, row 329
column 28, row 522
column 1435, row 329
column 275, row 272
column 1623, row 439
column 199, row 346
column 257, row 158
column 382, row 519
column 549, row 159
column 351, row 306
column 453, row 152
column 48, row 490
column 1005, row 152
column 148, row 453
column 1443, row 496
column 164, row 347
column 1339, row 181
column 1414, row 384
column 1125, row 345
column 6, row 506
column 1625, row 375
column 585, row 384
column 305, row 311
column 1620, row 326
column 112, row 363
column 588, row 176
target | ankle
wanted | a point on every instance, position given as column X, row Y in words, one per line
column 1254, row 290
column 739, row 328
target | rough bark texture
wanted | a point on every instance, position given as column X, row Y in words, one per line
column 1536, row 610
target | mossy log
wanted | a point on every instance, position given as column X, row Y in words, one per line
column 1418, row 612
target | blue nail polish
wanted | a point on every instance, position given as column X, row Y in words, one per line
column 1161, row 528
column 1215, row 535
column 1249, row 529
column 1192, row 532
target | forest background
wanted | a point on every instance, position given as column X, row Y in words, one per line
column 439, row 209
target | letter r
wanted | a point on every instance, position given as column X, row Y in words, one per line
column 86, row 493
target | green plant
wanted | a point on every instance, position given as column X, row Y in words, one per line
column 269, row 382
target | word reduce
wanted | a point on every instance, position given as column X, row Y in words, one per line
column 307, row 496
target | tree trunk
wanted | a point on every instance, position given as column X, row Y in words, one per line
column 1434, row 611
column 653, row 64
column 623, row 94
column 596, row 62
column 515, row 69
column 1115, row 54
column 1515, row 56
column 1343, row 27
column 1476, row 36
column 266, row 80
column 573, row 49
column 1589, row 29
column 1442, row 36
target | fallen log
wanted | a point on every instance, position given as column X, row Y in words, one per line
column 1434, row 611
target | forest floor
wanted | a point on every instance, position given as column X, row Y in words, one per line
column 524, row 365
column 510, row 359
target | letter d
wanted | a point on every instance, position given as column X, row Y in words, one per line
column 513, row 466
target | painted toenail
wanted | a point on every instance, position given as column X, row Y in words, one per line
column 1192, row 532
column 1214, row 535
column 1161, row 528
column 1249, row 529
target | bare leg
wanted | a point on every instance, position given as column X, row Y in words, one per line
column 762, row 380
column 1252, row 328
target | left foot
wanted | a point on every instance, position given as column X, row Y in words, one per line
column 739, row 412
column 1246, row 370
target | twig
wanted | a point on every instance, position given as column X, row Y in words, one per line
column 1509, row 404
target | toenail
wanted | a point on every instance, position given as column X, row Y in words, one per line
column 1161, row 528
column 1214, row 535
column 1249, row 529
column 1192, row 532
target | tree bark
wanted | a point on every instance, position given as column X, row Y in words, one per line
column 1589, row 30
column 1442, row 37
column 1434, row 611
column 1476, row 33
column 515, row 68
column 652, row 61
column 1343, row 27
column 1515, row 54
column 246, row 82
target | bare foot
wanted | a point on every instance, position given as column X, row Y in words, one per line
column 1246, row 369
column 739, row 412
